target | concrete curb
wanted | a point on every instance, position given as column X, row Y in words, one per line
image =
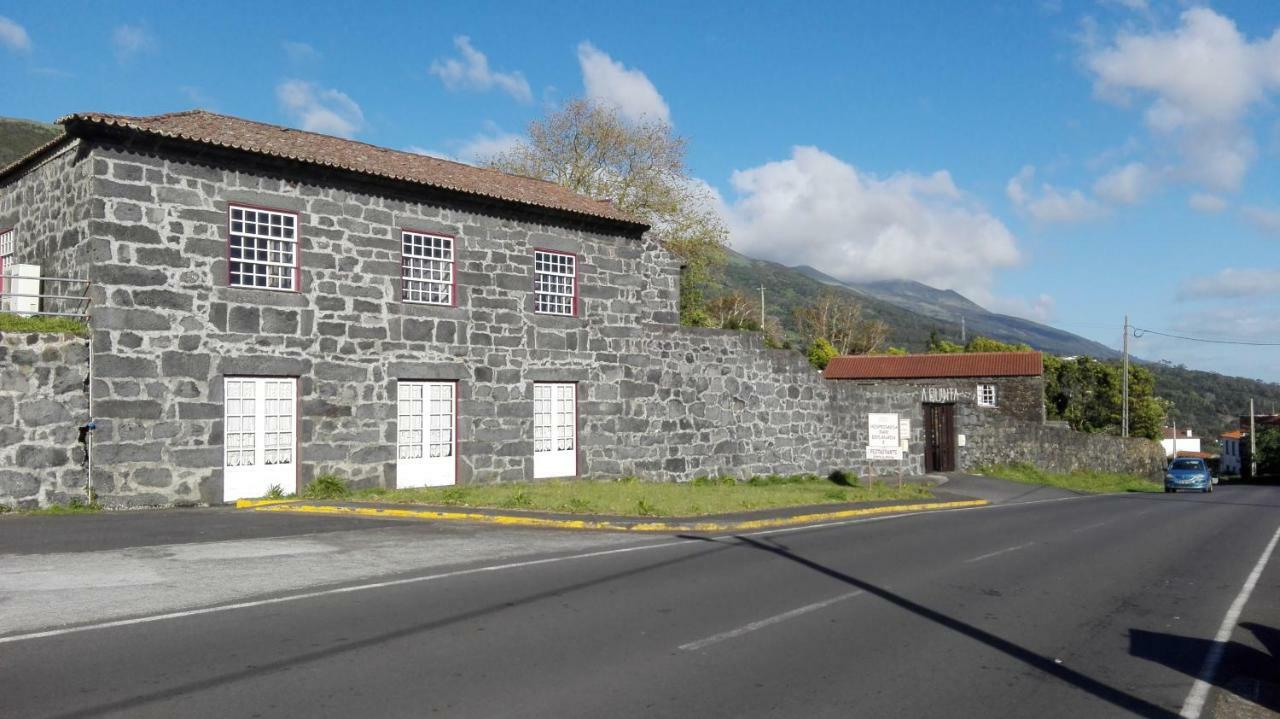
column 515, row 520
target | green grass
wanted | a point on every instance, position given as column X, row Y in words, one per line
column 75, row 506
column 1079, row 481
column 10, row 322
column 634, row 498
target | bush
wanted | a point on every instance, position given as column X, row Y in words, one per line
column 327, row 486
column 10, row 322
column 844, row 478
column 820, row 353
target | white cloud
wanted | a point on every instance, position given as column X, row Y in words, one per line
column 1201, row 79
column 1266, row 220
column 1041, row 309
column 472, row 72
column 1127, row 185
column 817, row 210
column 320, row 109
column 1204, row 202
column 609, row 82
column 1231, row 283
column 130, row 41
column 484, row 145
column 14, row 36
column 1049, row 205
column 300, row 53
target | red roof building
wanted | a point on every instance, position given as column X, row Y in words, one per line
column 934, row 366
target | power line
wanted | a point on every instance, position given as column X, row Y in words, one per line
column 1140, row 331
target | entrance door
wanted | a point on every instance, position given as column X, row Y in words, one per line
column 259, row 436
column 555, row 430
column 939, row 438
column 426, row 434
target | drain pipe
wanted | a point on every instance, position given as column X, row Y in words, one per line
column 89, row 427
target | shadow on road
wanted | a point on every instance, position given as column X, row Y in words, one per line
column 1103, row 691
column 1244, row 670
column 293, row 662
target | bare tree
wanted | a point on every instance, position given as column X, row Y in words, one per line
column 839, row 320
column 639, row 167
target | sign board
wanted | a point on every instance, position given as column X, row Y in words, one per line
column 884, row 453
column 882, row 430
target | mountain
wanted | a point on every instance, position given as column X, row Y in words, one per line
column 1207, row 402
column 18, row 137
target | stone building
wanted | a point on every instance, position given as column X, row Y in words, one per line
column 980, row 384
column 268, row 305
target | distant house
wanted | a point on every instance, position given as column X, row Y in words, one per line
column 1179, row 442
column 1232, row 453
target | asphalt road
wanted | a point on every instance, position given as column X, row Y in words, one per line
column 1065, row 607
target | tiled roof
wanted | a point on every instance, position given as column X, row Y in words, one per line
column 311, row 148
column 976, row 364
column 1233, row 434
column 1181, row 434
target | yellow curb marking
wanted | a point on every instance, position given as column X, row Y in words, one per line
column 251, row 503
column 511, row 520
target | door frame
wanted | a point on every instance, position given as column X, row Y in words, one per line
column 456, row 428
column 939, row 436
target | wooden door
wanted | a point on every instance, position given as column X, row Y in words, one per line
column 939, row 438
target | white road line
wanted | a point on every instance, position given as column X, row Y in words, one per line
column 1194, row 704
column 998, row 552
column 44, row 634
column 753, row 626
column 1095, row 525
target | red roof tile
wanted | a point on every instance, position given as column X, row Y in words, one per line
column 1233, row 434
column 326, row 151
column 976, row 364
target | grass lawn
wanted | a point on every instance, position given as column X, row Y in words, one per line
column 634, row 498
column 10, row 322
column 1079, row 481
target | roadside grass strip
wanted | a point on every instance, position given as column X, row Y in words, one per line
column 1078, row 481
column 615, row 526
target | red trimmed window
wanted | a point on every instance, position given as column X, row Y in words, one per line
column 262, row 248
column 6, row 260
column 555, row 283
column 426, row 268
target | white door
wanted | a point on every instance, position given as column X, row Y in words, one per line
column 426, row 436
column 259, row 435
column 555, row 429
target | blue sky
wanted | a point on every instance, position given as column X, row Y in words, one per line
column 1064, row 161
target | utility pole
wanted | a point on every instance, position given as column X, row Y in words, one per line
column 1124, row 410
column 762, row 308
column 963, row 335
column 1253, row 445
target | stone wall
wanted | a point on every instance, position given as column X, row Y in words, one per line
column 1003, row 440
column 1017, row 397
column 43, row 403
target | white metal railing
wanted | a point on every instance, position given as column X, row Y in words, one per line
column 47, row 304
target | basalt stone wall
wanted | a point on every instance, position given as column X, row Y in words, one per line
column 43, row 403
column 48, row 208
column 993, row 440
column 706, row 402
column 168, row 329
column 1017, row 397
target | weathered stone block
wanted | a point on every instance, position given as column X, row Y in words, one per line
column 113, row 365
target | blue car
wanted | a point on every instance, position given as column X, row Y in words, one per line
column 1188, row 473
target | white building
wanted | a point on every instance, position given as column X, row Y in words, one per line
column 1232, row 453
column 1184, row 440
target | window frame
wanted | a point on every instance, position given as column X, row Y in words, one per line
column 453, row 267
column 573, row 302
column 297, row 246
column 982, row 394
column 6, row 259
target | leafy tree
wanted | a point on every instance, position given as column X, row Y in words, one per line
column 986, row 344
column 937, row 345
column 639, row 167
column 1269, row 450
column 1088, row 394
column 838, row 320
column 820, row 353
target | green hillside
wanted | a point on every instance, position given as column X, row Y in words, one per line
column 1205, row 401
column 18, row 137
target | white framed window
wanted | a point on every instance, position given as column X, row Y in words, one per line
column 6, row 263
column 555, row 283
column 986, row 395
column 262, row 248
column 426, row 268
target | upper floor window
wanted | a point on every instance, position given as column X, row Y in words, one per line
column 263, row 248
column 555, row 283
column 426, row 268
column 986, row 395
